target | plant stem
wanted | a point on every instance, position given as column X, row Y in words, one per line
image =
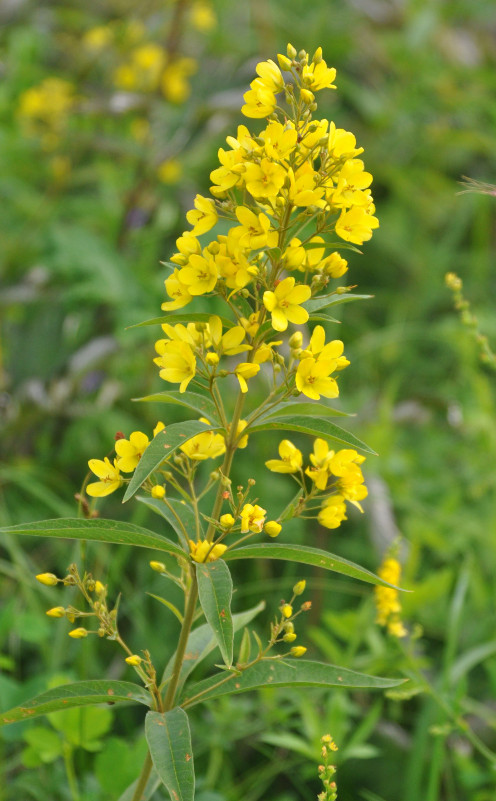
column 69, row 769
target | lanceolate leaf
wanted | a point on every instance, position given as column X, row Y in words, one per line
column 293, row 673
column 177, row 513
column 202, row 642
column 163, row 445
column 98, row 529
column 183, row 317
column 169, row 741
column 305, row 555
column 317, row 427
column 332, row 300
column 292, row 408
column 191, row 400
column 215, row 590
column 81, row 693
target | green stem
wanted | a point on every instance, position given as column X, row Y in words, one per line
column 69, row 769
column 143, row 778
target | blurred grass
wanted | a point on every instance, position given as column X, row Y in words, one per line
column 84, row 226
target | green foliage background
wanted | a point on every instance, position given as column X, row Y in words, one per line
column 83, row 227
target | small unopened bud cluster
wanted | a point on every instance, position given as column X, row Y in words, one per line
column 284, row 629
column 327, row 771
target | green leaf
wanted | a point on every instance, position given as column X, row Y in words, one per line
column 317, row 427
column 175, row 611
column 177, row 513
column 191, row 400
column 296, row 673
column 215, row 590
column 80, row 693
column 202, row 641
column 183, row 317
column 306, row 555
column 320, row 317
column 162, row 446
column 98, row 529
column 290, row 408
column 332, row 300
column 169, row 741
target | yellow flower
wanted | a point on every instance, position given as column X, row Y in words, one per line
column 286, row 610
column 313, row 379
column 199, row 276
column 345, row 466
column 342, row 144
column 304, row 187
column 199, row 551
column 133, row 660
column 332, row 353
column 387, row 598
column 178, row 290
column 97, row 38
column 187, row 244
column 284, row 303
column 207, row 445
column 264, row 179
column 48, row 579
column 169, row 171
column 334, row 266
column 291, row 459
column 259, row 100
column 158, row 492
column 272, row 528
column 232, row 261
column 109, row 475
column 203, row 16
column 320, row 459
column 203, row 217
column 279, row 142
column 174, row 83
column 356, row 225
column 227, row 521
column 129, row 451
column 270, row 75
column 78, row 634
column 318, row 76
column 178, row 363
column 298, row 650
column 255, row 231
column 231, row 342
column 333, row 512
column 252, row 518
column 243, row 371
column 57, row 611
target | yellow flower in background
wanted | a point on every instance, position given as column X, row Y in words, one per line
column 291, row 459
column 333, row 512
column 204, row 551
column 243, row 371
column 169, row 171
column 387, row 599
column 48, row 105
column 109, row 475
column 175, row 84
column 356, row 225
column 202, row 16
column 178, row 363
column 284, row 303
column 98, row 38
column 313, row 379
column 252, row 518
column 129, row 451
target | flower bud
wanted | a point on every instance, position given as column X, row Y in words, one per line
column 227, row 521
column 272, row 528
column 49, row 579
column 307, row 96
column 296, row 340
column 298, row 650
column 158, row 491
column 306, row 606
column 99, row 588
column 299, row 587
column 286, row 610
column 212, row 359
column 291, row 51
column 288, row 627
column 289, row 637
column 57, row 611
column 317, row 56
column 159, row 567
column 284, row 62
column 78, row 634
column 134, row 660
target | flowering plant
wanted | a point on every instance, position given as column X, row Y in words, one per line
column 290, row 195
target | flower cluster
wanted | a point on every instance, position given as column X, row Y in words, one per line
column 387, row 598
column 335, row 476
